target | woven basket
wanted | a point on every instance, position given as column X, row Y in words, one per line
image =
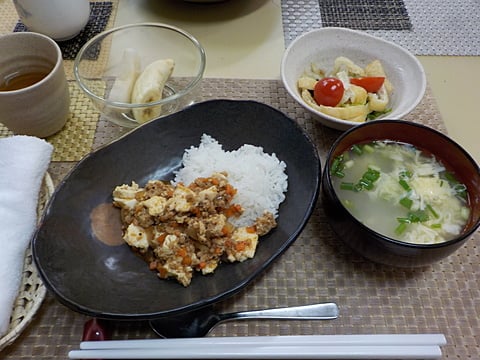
column 32, row 291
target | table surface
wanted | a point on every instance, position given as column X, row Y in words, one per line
column 244, row 41
column 255, row 28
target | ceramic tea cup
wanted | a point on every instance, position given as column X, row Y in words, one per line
column 34, row 94
column 59, row 19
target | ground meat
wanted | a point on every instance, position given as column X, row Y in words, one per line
column 142, row 217
column 180, row 230
column 265, row 223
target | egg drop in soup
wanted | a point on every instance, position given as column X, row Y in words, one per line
column 401, row 192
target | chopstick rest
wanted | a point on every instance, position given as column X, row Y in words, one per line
column 373, row 346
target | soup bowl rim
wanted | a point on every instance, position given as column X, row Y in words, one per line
column 463, row 236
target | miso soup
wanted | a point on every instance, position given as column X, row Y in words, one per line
column 401, row 192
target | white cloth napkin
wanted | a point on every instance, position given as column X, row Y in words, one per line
column 23, row 163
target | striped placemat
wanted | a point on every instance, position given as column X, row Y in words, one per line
column 75, row 140
column 318, row 267
column 100, row 12
column 425, row 27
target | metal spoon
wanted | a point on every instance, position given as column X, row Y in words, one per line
column 199, row 322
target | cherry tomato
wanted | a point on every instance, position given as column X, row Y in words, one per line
column 371, row 83
column 328, row 91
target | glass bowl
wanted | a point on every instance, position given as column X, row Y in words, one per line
column 109, row 67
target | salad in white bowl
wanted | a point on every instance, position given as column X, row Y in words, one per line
column 338, row 62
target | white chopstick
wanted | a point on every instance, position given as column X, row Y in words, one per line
column 347, row 340
column 285, row 352
column 387, row 346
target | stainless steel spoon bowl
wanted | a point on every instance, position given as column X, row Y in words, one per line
column 199, row 322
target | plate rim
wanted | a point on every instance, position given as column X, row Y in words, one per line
column 218, row 296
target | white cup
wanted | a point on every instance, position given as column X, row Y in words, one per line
column 34, row 94
column 59, row 19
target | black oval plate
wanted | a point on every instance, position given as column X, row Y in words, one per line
column 96, row 278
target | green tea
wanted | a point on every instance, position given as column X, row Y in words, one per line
column 19, row 81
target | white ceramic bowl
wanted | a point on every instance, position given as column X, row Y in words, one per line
column 323, row 46
column 101, row 63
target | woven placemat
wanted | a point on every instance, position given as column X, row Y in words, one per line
column 425, row 27
column 102, row 17
column 318, row 267
column 273, row 93
column 100, row 12
column 75, row 140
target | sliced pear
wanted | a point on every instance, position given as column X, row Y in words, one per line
column 127, row 74
column 149, row 88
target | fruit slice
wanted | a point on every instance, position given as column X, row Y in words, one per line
column 128, row 72
column 149, row 88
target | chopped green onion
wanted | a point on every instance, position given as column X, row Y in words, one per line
column 434, row 213
column 347, row 186
column 371, row 174
column 368, row 148
column 357, row 149
column 405, row 174
column 375, row 114
column 418, row 216
column 336, row 164
column 367, row 180
column 406, row 202
column 450, row 177
column 404, row 185
column 403, row 220
column 436, row 226
column 400, row 229
column 366, row 184
column 461, row 190
column 358, row 187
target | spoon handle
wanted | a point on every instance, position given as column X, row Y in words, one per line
column 325, row 311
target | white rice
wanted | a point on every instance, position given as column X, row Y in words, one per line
column 259, row 178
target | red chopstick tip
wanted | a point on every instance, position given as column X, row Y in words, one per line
column 95, row 330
